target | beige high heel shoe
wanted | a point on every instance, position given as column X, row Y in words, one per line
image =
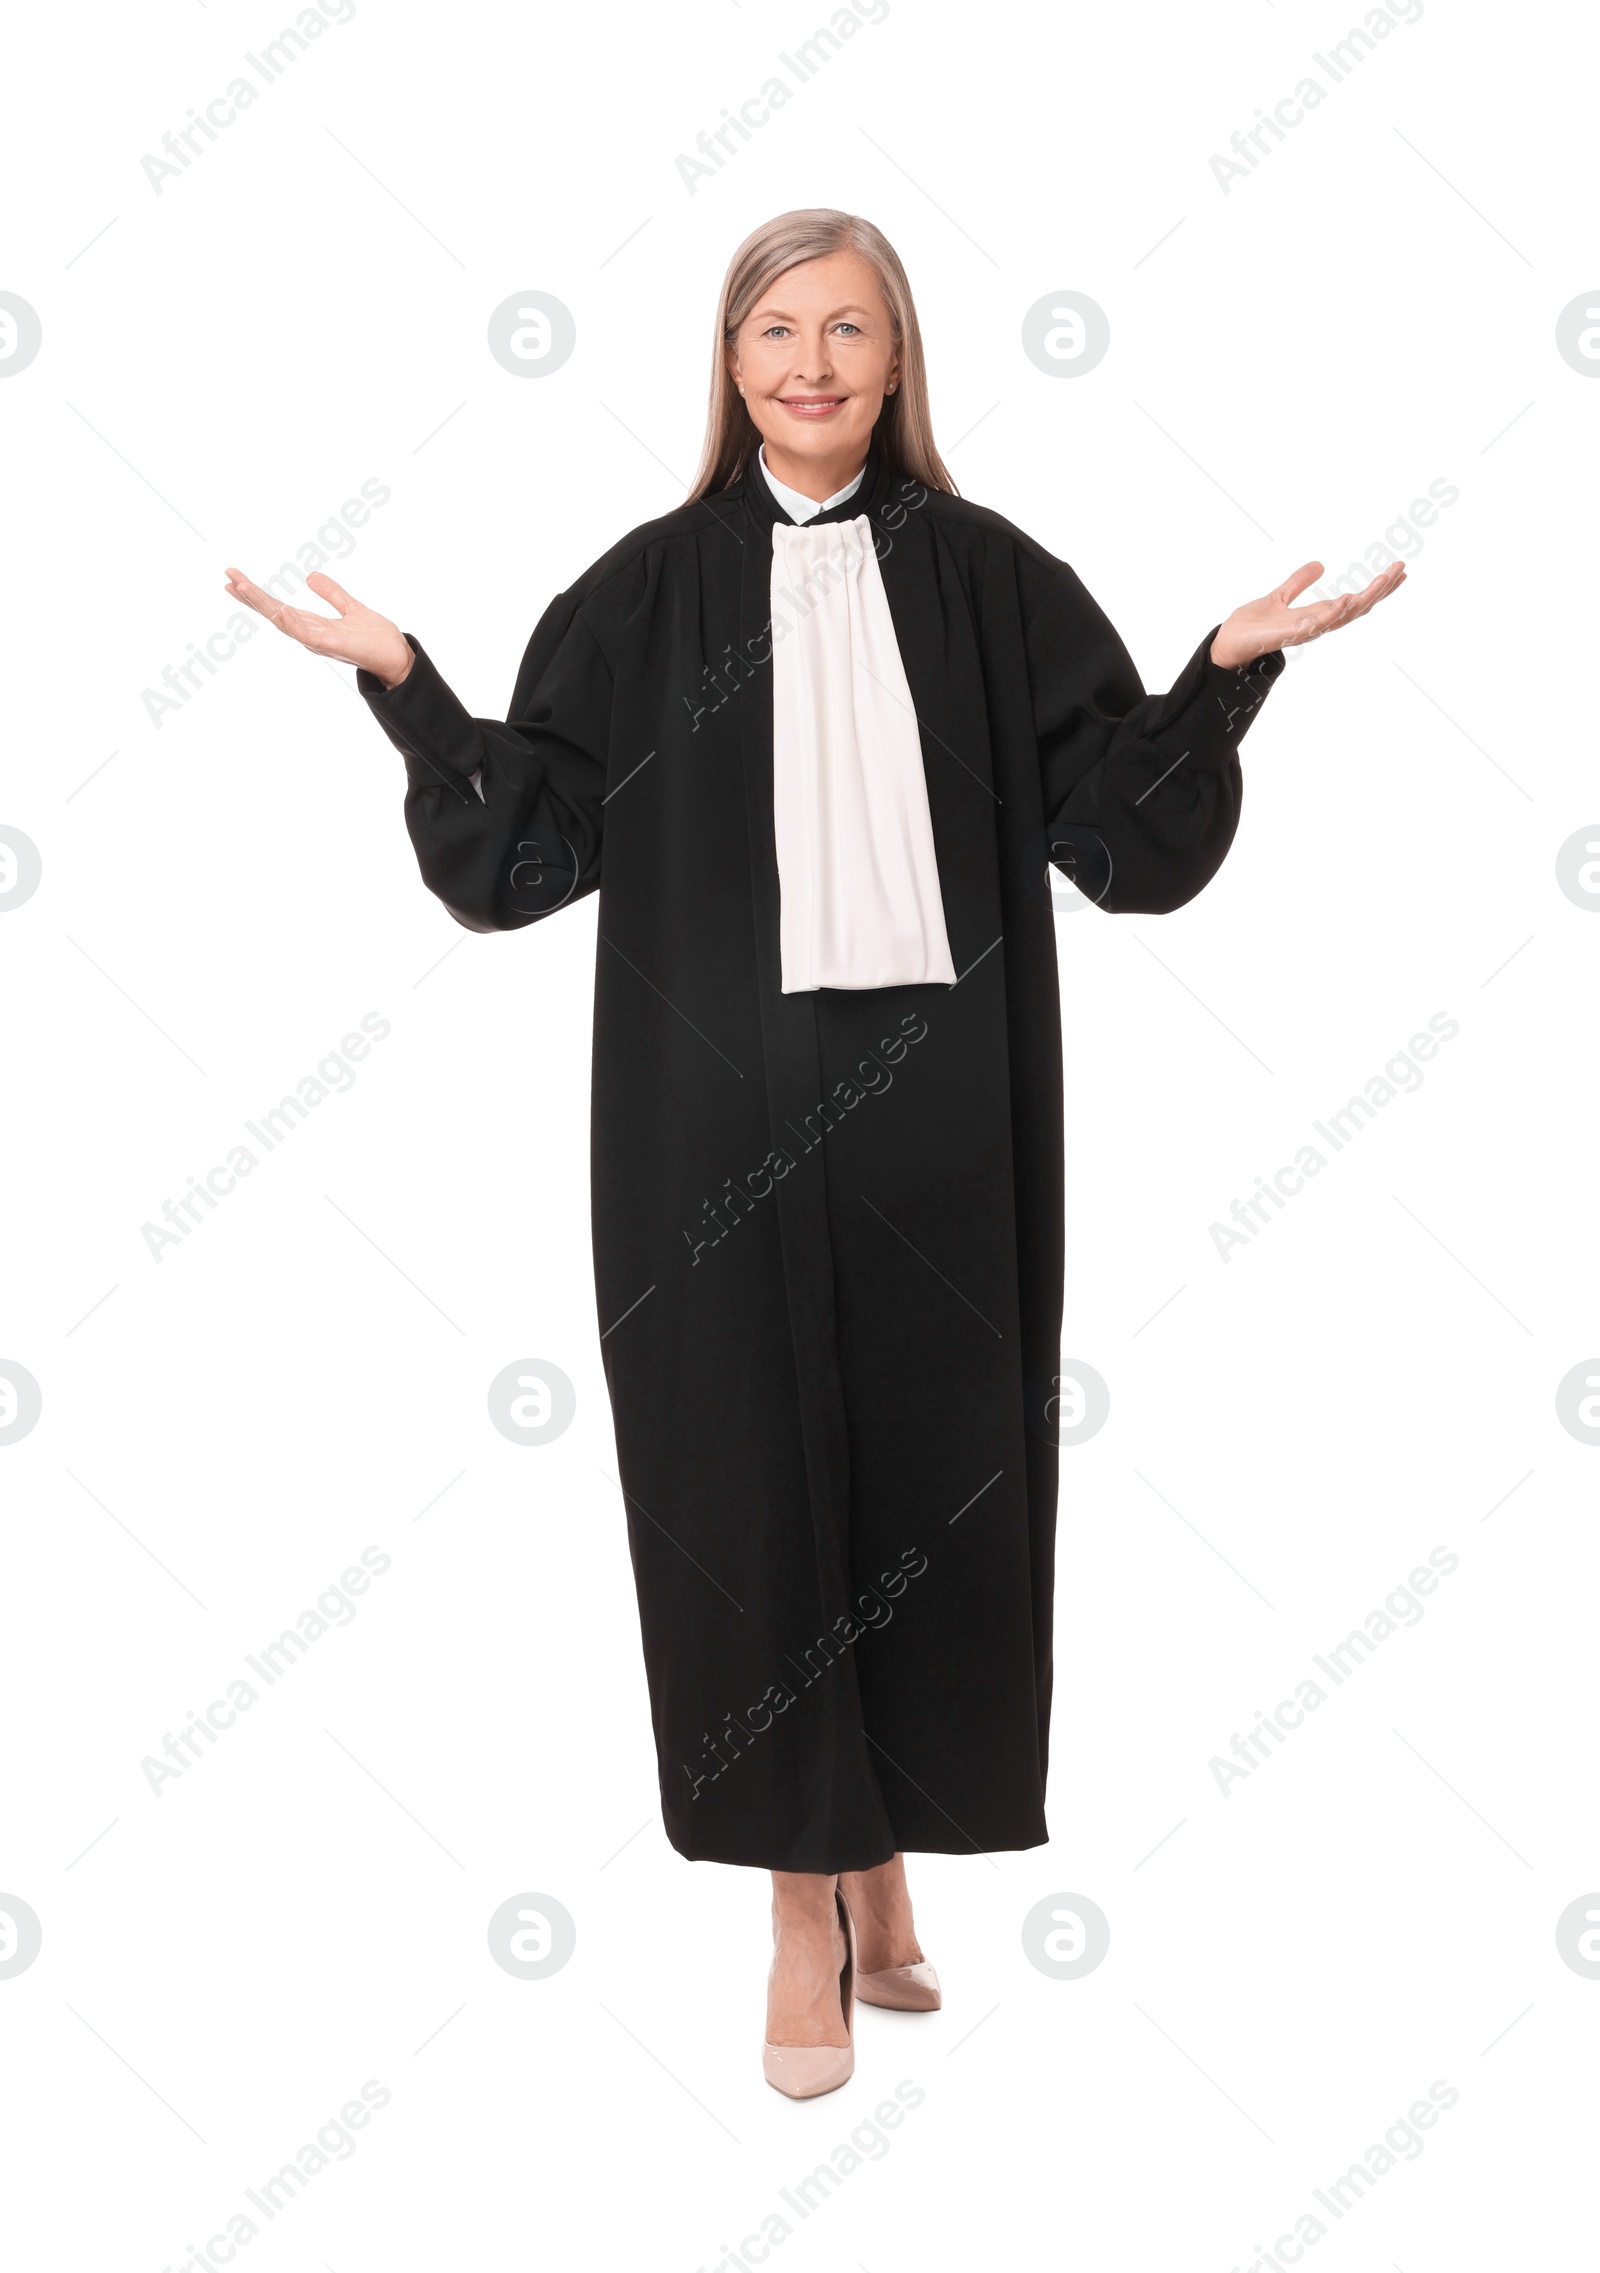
column 805, row 2071
column 902, row 1988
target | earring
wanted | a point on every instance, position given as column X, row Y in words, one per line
column 741, row 388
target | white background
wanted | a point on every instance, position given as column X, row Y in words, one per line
column 1292, row 1430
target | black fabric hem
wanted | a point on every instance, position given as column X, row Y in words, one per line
column 824, row 1862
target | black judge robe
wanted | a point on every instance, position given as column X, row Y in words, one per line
column 828, row 1226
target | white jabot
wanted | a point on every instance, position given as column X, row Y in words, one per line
column 858, row 878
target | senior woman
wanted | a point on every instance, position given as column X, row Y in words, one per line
column 815, row 738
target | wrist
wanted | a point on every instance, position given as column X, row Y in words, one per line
column 392, row 670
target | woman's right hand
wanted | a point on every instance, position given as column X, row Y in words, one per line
column 357, row 635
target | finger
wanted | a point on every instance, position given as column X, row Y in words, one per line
column 335, row 594
column 1292, row 586
column 294, row 623
column 252, row 595
column 1333, row 616
column 243, row 589
column 291, row 621
column 1379, row 589
column 1383, row 582
column 1321, row 616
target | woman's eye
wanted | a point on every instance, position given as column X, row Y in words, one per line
column 847, row 327
column 773, row 330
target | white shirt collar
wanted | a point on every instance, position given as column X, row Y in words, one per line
column 800, row 508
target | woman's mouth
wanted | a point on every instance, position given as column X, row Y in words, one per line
column 812, row 406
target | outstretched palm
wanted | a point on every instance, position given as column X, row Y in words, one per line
column 1262, row 625
column 356, row 634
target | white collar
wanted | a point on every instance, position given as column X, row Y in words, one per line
column 800, row 508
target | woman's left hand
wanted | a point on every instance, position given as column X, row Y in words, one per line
column 1262, row 625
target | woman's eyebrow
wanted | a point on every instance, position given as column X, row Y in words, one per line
column 771, row 315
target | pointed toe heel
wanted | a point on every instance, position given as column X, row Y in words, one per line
column 806, row 2071
column 902, row 1988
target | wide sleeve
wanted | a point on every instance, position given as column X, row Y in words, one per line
column 1141, row 791
column 505, row 818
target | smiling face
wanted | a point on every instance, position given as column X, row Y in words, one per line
column 814, row 359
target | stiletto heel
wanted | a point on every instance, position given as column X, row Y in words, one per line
column 805, row 2071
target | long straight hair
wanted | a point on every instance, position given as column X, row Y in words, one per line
column 904, row 432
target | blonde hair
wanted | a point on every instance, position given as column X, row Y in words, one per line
column 904, row 432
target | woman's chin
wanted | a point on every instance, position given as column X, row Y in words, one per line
column 818, row 438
